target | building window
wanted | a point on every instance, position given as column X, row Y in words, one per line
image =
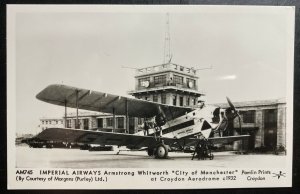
column 109, row 122
column 163, row 98
column 69, row 123
column 249, row 116
column 178, row 79
column 100, row 123
column 155, row 98
column 188, row 101
column 270, row 118
column 142, row 81
column 42, row 122
column 146, row 98
column 174, row 100
column 56, row 122
column 120, row 122
column 195, row 101
column 160, row 79
column 86, row 124
column 46, row 122
column 77, row 123
column 181, row 101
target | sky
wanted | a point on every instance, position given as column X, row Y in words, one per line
column 86, row 48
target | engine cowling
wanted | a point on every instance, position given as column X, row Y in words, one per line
column 160, row 120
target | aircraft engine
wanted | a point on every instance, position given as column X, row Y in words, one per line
column 232, row 112
column 160, row 120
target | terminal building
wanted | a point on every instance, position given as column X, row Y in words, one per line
column 264, row 121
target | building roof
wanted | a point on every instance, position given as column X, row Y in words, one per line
column 86, row 114
column 166, row 67
column 253, row 103
column 163, row 88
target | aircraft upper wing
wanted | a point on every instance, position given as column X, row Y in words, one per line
column 120, row 139
column 103, row 102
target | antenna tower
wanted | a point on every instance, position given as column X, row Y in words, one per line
column 167, row 47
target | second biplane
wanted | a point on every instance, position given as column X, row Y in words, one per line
column 165, row 126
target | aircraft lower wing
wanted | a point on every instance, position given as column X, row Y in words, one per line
column 120, row 139
column 218, row 140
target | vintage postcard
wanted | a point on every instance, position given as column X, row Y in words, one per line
column 149, row 97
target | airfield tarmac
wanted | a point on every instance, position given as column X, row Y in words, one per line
column 75, row 158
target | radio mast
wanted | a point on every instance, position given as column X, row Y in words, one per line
column 167, row 46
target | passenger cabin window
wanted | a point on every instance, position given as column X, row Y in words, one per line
column 249, row 116
column 161, row 79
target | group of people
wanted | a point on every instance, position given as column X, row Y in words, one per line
column 202, row 151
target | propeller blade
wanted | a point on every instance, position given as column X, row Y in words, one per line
column 240, row 121
column 239, row 116
column 230, row 103
column 161, row 111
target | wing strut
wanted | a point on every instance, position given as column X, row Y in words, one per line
column 114, row 120
column 77, row 124
column 65, row 113
column 127, row 120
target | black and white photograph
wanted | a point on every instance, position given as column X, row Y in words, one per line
column 149, row 97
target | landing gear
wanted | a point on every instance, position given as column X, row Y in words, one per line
column 161, row 151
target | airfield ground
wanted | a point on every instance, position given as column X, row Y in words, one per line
column 75, row 158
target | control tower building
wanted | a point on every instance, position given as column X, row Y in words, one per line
column 168, row 83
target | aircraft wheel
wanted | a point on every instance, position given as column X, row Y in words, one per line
column 161, row 151
column 150, row 151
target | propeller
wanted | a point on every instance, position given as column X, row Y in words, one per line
column 160, row 119
column 235, row 112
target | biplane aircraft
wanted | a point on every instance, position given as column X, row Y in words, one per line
column 165, row 127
